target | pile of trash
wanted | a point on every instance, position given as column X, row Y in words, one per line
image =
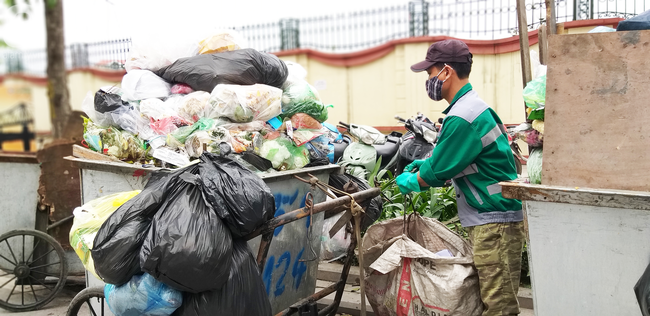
column 177, row 246
column 532, row 131
column 171, row 109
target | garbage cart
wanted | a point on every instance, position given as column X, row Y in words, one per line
column 589, row 220
column 289, row 252
column 33, row 265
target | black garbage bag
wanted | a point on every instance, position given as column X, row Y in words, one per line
column 372, row 207
column 642, row 290
column 108, row 102
column 188, row 247
column 242, row 67
column 117, row 244
column 637, row 23
column 243, row 294
column 240, row 197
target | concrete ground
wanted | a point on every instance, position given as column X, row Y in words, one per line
column 58, row 307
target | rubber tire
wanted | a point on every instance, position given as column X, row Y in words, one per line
column 81, row 298
column 64, row 266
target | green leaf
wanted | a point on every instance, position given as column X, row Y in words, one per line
column 371, row 178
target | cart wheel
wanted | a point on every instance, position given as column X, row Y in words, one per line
column 89, row 301
column 33, row 270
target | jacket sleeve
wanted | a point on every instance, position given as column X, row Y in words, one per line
column 458, row 146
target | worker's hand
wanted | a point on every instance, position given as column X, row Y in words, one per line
column 408, row 182
column 414, row 165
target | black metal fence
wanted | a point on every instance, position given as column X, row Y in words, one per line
column 346, row 32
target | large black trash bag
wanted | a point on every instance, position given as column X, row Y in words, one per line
column 243, row 294
column 188, row 247
column 118, row 241
column 637, row 23
column 242, row 67
column 372, row 207
column 240, row 197
column 642, row 290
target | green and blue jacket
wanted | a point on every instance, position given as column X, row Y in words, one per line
column 473, row 151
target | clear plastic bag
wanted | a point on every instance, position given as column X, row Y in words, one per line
column 254, row 126
column 193, row 106
column 92, row 135
column 123, row 145
column 243, row 104
column 300, row 97
column 182, row 133
column 337, row 246
column 194, row 143
column 144, row 84
column 88, row 218
column 283, row 154
column 367, row 134
column 535, row 93
column 221, row 41
column 303, row 136
column 142, row 295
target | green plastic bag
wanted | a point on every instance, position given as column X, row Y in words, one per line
column 535, row 93
column 300, row 97
column 182, row 133
column 534, row 165
column 283, row 154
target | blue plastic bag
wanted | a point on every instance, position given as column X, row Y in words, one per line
column 637, row 23
column 142, row 295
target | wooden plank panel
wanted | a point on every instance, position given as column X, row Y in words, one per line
column 597, row 132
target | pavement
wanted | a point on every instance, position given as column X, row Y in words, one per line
column 57, row 307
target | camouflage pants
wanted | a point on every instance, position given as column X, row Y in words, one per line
column 497, row 255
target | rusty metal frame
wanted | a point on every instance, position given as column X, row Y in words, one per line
column 267, row 237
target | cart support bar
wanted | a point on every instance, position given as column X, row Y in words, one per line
column 293, row 216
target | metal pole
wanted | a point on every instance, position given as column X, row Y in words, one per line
column 550, row 17
column 523, row 42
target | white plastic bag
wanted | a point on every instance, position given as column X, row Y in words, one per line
column 156, row 50
column 336, row 247
column 144, row 84
column 412, row 278
column 243, row 104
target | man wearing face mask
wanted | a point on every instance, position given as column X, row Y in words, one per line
column 473, row 152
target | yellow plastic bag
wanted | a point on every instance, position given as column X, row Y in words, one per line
column 221, row 42
column 88, row 218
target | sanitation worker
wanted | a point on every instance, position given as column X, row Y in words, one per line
column 473, row 152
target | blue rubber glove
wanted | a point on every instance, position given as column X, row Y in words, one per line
column 408, row 182
column 414, row 165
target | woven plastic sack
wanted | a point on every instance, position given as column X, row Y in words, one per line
column 243, row 104
column 88, row 218
column 410, row 275
column 144, row 296
column 535, row 93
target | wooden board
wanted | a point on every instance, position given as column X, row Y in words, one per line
column 597, row 127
